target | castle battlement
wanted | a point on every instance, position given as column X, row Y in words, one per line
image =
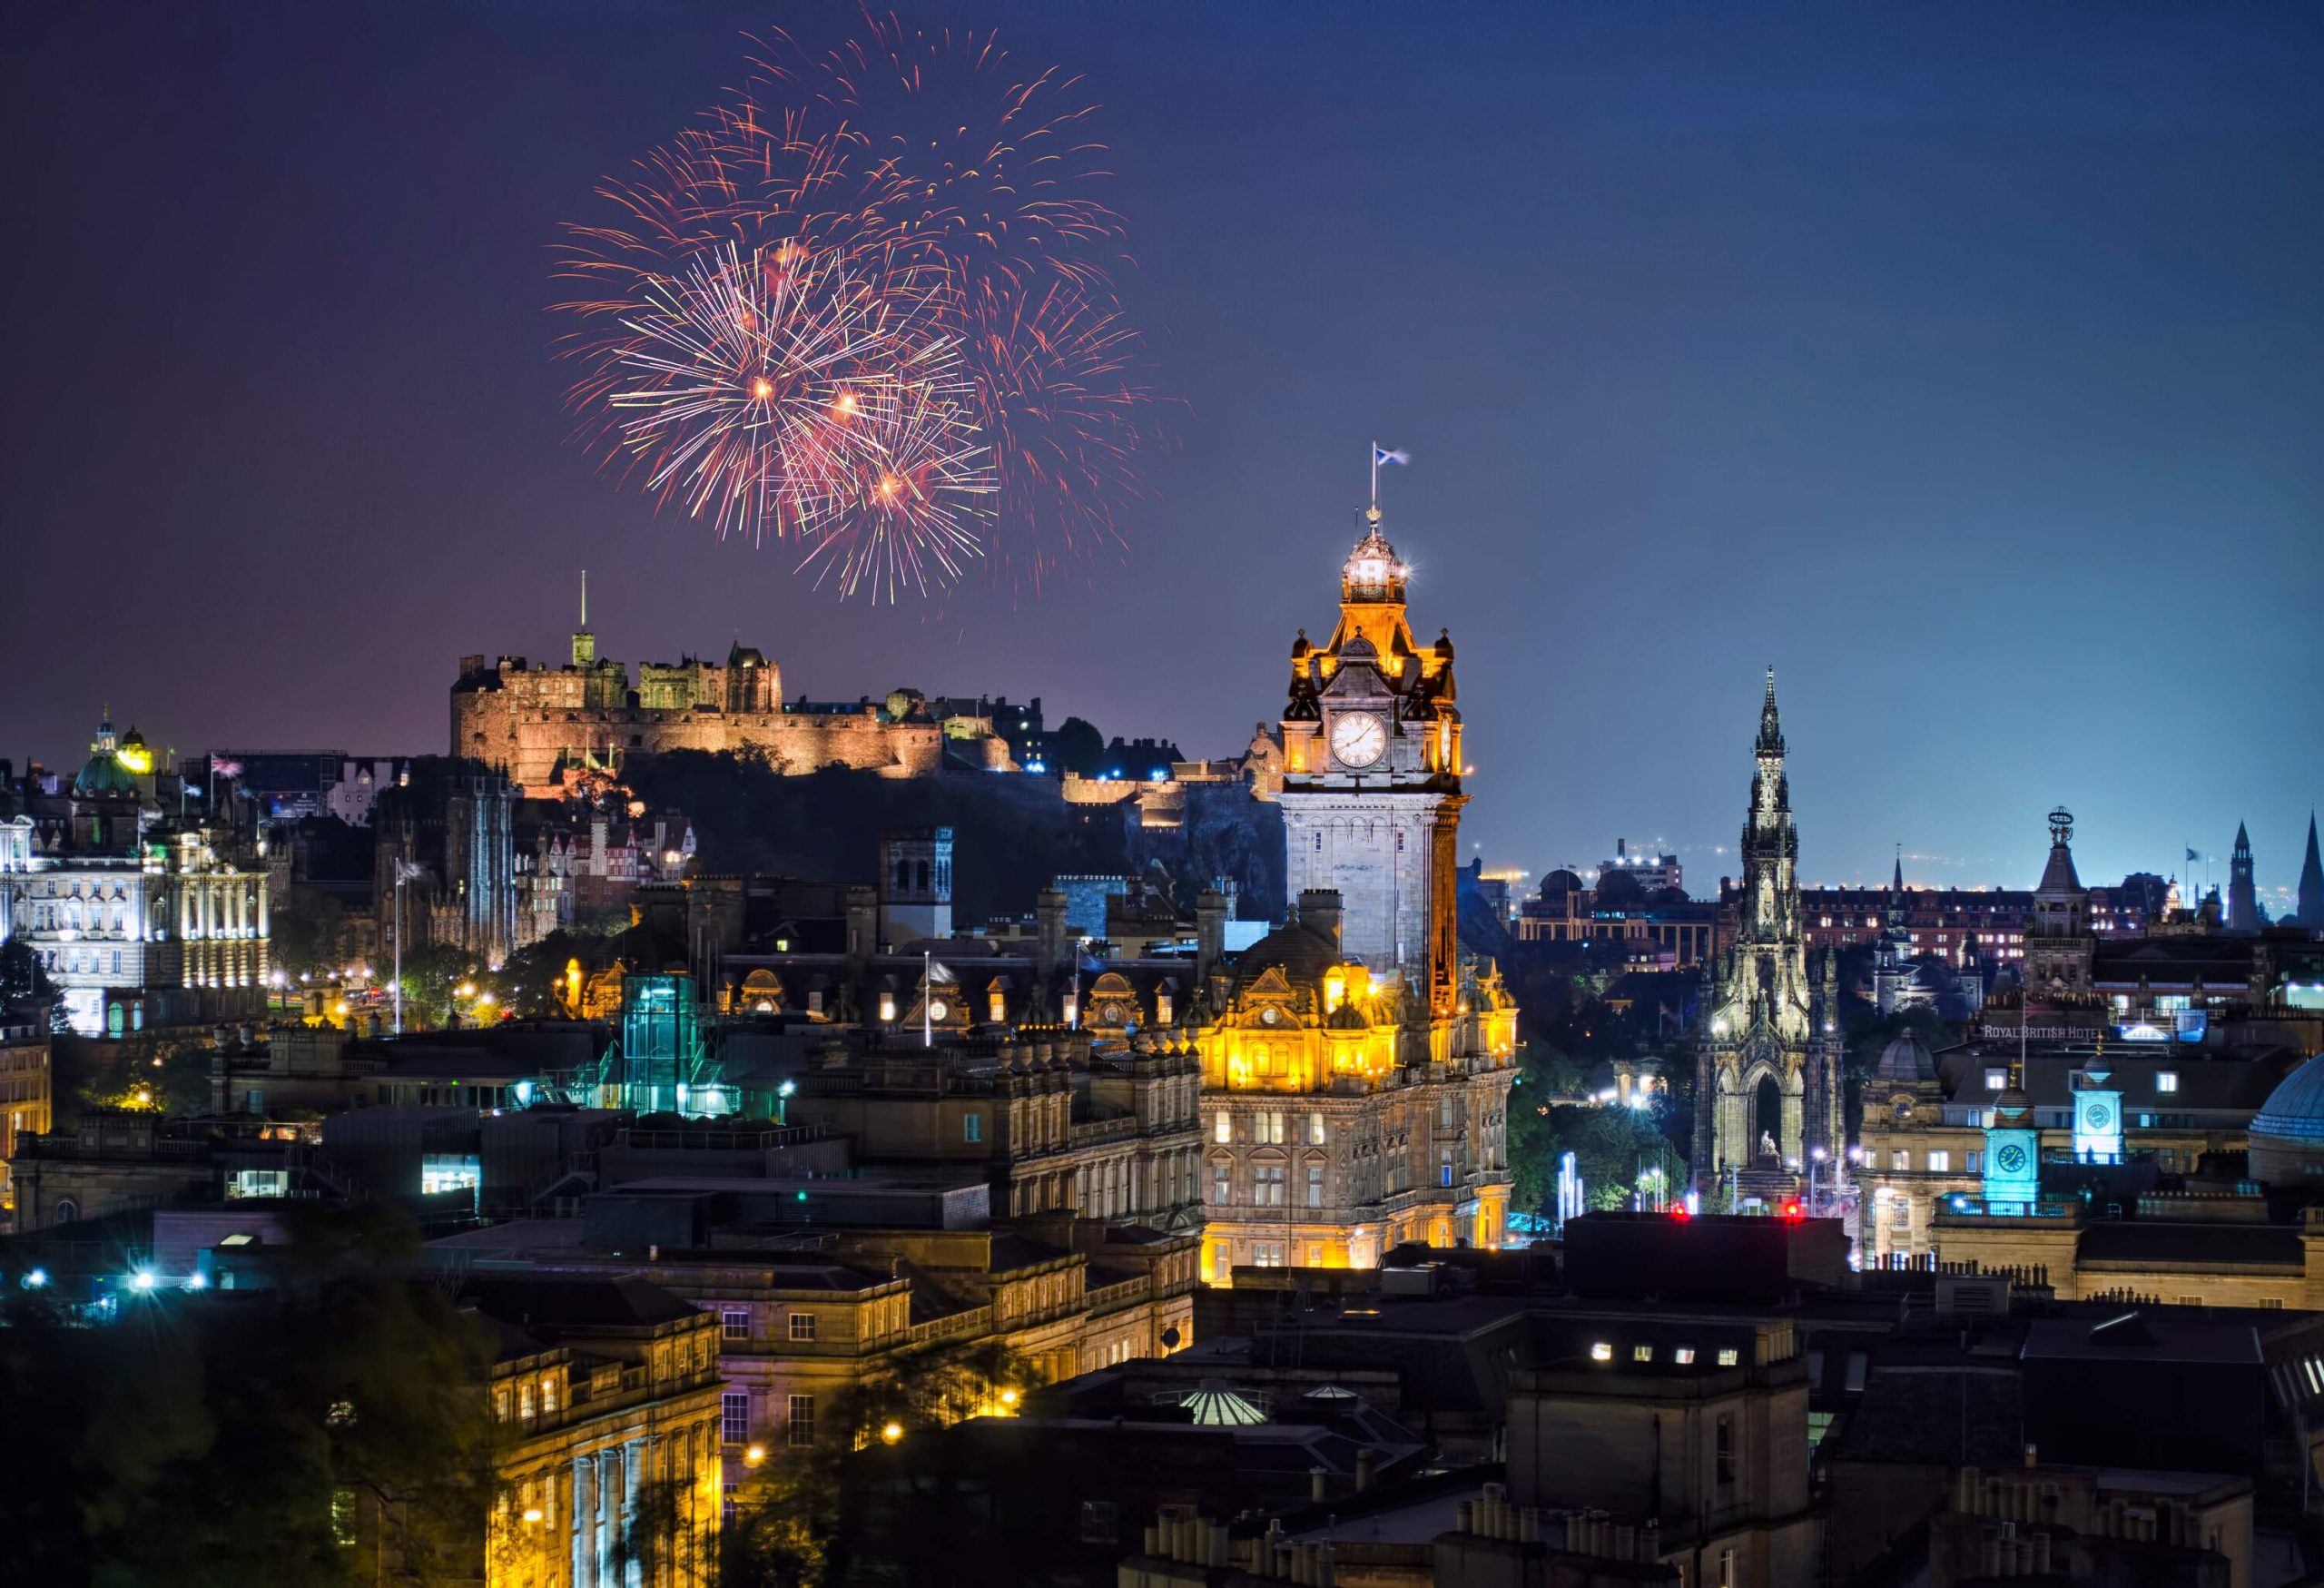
column 531, row 719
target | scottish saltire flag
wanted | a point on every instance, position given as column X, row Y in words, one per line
column 1383, row 455
column 2192, row 855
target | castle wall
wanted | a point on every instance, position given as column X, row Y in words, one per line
column 524, row 719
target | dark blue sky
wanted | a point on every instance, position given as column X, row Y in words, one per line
column 1966, row 363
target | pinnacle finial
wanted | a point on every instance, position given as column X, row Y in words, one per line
column 584, row 597
column 1770, row 723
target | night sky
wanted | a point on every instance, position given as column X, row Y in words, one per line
column 1967, row 364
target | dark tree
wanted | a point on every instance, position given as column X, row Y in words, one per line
column 24, row 984
column 1078, row 747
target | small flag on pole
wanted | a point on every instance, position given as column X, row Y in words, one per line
column 221, row 767
column 2192, row 855
column 1383, row 455
column 406, row 871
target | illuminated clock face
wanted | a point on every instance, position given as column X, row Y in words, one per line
column 2011, row 1158
column 1358, row 739
column 1270, row 1014
column 2099, row 1116
column 939, row 1010
column 1109, row 1014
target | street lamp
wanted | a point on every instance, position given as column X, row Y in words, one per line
column 891, row 1433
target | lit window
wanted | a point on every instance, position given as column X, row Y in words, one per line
column 2166, row 1081
column 971, row 1126
column 802, row 1326
column 734, row 1326
column 1996, row 1079
column 1940, row 1162
column 500, row 1404
column 735, row 1418
column 1218, row 1183
column 1900, row 1160
column 1315, row 1129
column 548, row 1393
column 1222, row 1127
column 1267, row 1185
column 887, row 1006
column 1601, row 1352
column 1684, row 1355
column 525, row 1400
column 1641, row 1353
column 1728, row 1356
column 1315, row 1185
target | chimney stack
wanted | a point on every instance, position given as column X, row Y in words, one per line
column 1210, row 932
column 1319, row 911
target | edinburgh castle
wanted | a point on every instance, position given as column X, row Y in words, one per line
column 539, row 722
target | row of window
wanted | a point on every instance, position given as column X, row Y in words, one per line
column 2165, row 1080
column 1684, row 1355
column 1267, row 1127
column 525, row 1404
column 734, row 1324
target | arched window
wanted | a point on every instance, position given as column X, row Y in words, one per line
column 65, row 1212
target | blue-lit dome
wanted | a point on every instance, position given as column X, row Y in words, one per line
column 2287, row 1135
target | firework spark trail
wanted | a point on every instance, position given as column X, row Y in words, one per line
column 866, row 303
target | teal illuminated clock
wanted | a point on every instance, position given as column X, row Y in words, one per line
column 2012, row 1159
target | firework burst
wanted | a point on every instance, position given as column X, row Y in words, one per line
column 867, row 304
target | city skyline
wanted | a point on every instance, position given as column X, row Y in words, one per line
column 1843, row 347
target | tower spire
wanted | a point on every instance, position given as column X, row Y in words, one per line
column 2311, row 883
column 1897, row 878
column 1770, row 724
column 584, row 598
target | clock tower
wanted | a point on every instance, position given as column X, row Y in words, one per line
column 1372, row 781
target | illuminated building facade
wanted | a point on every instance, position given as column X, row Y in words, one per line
column 25, row 1098
column 1767, row 1083
column 140, row 921
column 1356, row 1065
column 605, row 1399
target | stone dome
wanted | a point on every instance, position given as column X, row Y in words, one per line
column 2287, row 1135
column 1906, row 1059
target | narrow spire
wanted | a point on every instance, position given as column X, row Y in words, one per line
column 584, row 597
column 1896, row 879
column 1770, row 724
column 2311, row 883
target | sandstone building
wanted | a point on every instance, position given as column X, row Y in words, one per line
column 1356, row 1065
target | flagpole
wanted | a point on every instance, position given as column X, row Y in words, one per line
column 927, row 992
column 398, row 865
column 1375, row 477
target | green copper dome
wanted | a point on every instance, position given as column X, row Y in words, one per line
column 103, row 774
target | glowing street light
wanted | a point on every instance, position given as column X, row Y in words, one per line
column 36, row 1279
column 141, row 1280
column 754, row 1455
column 893, row 1432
